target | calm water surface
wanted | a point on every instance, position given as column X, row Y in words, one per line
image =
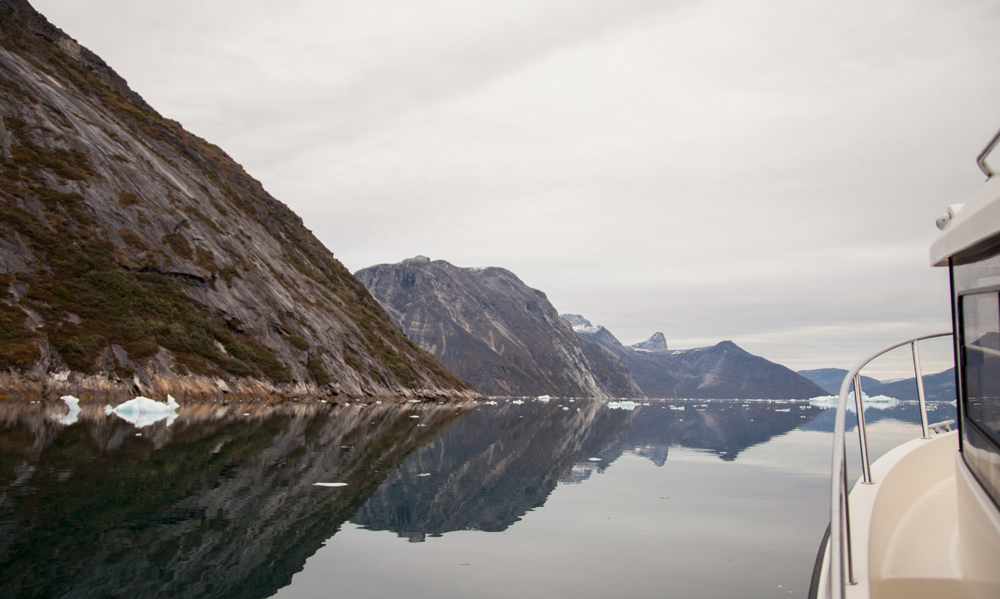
column 559, row 499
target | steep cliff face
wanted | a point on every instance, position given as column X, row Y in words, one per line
column 493, row 331
column 134, row 254
column 723, row 371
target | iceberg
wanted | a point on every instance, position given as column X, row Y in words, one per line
column 143, row 411
column 544, row 398
column 879, row 402
column 74, row 410
column 621, row 405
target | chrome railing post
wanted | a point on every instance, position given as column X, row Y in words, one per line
column 866, row 472
column 847, row 518
column 920, row 390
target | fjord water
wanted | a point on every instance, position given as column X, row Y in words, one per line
column 581, row 498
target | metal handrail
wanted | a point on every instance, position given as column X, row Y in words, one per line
column 981, row 159
column 840, row 524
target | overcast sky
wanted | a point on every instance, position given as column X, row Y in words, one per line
column 765, row 172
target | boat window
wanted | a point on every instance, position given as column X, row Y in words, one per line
column 981, row 380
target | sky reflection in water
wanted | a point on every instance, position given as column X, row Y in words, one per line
column 564, row 499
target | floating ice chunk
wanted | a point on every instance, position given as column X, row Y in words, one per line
column 517, row 402
column 414, row 416
column 143, row 411
column 543, row 398
column 565, row 408
column 681, row 408
column 621, row 405
column 424, row 474
column 74, row 410
column 490, row 403
column 329, row 484
column 593, row 459
column 879, row 402
column 782, row 409
column 414, row 401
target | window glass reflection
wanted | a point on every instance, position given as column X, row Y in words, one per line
column 981, row 350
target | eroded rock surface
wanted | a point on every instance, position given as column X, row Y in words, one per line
column 135, row 255
column 493, row 331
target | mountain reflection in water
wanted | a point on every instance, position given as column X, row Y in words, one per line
column 220, row 503
column 223, row 501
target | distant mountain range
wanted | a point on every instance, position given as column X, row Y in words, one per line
column 831, row 378
column 937, row 387
column 723, row 371
column 505, row 338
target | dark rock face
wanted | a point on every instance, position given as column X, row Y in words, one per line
column 493, row 331
column 724, row 371
column 830, row 379
column 138, row 256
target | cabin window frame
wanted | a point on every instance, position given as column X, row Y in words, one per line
column 979, row 445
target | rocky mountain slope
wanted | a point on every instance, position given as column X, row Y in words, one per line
column 135, row 255
column 723, row 371
column 493, row 331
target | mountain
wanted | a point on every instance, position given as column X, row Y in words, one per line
column 723, row 371
column 655, row 343
column 493, row 331
column 831, row 378
column 937, row 387
column 135, row 256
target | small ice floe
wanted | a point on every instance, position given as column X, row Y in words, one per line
column 329, row 484
column 571, row 401
column 424, row 474
column 143, row 411
column 565, row 408
column 74, row 410
column 782, row 409
column 878, row 402
column 543, row 398
column 621, row 405
column 593, row 459
column 517, row 402
column 490, row 403
column 681, row 408
column 414, row 416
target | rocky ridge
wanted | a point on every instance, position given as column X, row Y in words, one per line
column 493, row 331
column 135, row 256
column 723, row 371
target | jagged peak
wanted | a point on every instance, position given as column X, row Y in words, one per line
column 576, row 320
column 655, row 343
